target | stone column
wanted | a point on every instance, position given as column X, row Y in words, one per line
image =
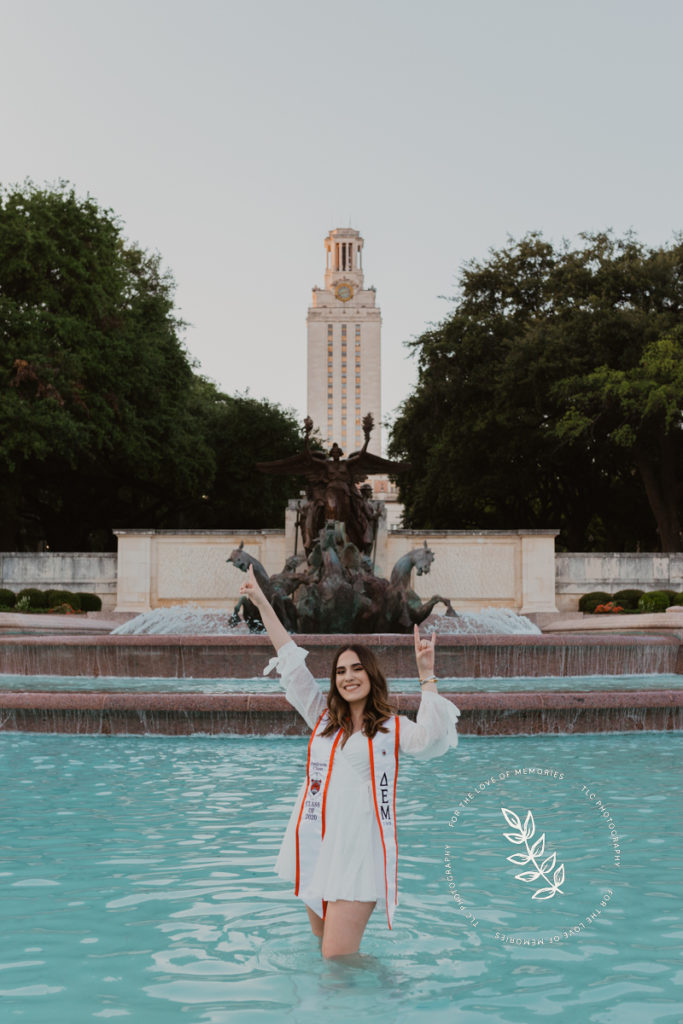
column 134, row 576
column 538, row 572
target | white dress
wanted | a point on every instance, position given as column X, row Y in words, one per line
column 350, row 865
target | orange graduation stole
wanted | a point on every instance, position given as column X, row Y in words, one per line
column 310, row 826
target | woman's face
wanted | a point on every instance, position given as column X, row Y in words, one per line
column 353, row 682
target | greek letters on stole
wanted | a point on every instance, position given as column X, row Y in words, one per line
column 310, row 827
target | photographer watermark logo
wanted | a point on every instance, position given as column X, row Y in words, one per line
column 532, row 854
column 555, row 884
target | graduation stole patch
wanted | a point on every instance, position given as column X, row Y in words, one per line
column 310, row 826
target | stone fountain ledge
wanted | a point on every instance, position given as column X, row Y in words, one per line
column 489, row 714
column 566, row 622
column 75, row 625
column 245, row 657
column 103, row 623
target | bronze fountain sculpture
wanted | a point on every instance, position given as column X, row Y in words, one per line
column 333, row 587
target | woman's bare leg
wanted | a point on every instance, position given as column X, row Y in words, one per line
column 317, row 923
column 344, row 924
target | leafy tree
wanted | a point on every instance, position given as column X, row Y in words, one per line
column 241, row 431
column 639, row 410
column 103, row 422
column 517, row 419
column 94, row 419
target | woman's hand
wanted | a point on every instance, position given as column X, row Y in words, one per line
column 424, row 654
column 252, row 590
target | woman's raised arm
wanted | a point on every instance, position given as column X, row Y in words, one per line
column 303, row 693
column 276, row 631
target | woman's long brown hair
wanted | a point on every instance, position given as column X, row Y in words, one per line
column 377, row 706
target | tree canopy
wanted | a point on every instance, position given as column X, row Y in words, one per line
column 552, row 395
column 241, row 431
column 103, row 421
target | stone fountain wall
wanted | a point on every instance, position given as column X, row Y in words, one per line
column 121, row 708
column 475, row 570
column 245, row 657
column 494, row 568
column 77, row 571
column 267, row 714
column 578, row 573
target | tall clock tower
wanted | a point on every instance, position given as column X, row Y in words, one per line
column 344, row 361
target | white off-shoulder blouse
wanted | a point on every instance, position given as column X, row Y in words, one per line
column 350, row 865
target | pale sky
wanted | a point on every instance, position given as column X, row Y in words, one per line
column 231, row 136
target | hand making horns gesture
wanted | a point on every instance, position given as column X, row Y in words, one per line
column 424, row 654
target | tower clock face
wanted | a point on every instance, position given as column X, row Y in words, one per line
column 344, row 292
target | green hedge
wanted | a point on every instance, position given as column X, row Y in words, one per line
column 632, row 600
column 44, row 600
column 655, row 601
column 589, row 602
column 55, row 598
column 37, row 598
column 628, row 598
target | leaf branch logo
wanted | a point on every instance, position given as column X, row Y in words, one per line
column 532, row 856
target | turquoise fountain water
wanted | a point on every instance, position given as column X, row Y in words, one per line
column 500, row 684
column 137, row 883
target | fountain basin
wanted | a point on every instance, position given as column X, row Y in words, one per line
column 485, row 713
column 244, row 657
column 240, row 657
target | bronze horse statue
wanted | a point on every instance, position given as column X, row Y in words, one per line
column 339, row 593
column 405, row 608
column 276, row 588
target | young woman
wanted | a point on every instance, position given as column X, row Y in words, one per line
column 340, row 848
